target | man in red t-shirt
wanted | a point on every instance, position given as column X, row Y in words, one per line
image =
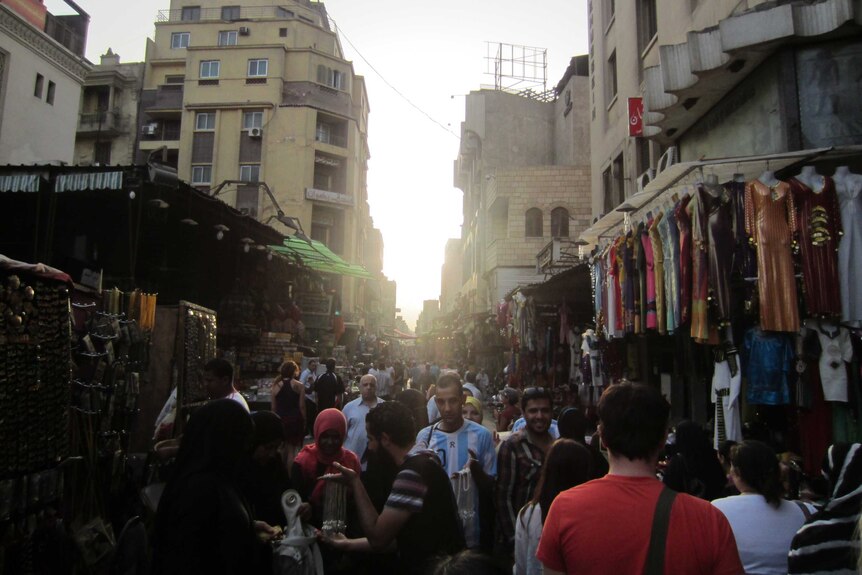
column 604, row 526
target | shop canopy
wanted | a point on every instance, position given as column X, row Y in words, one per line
column 315, row 255
column 683, row 174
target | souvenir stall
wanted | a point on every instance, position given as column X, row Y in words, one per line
column 745, row 268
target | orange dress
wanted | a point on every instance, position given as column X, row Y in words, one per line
column 770, row 221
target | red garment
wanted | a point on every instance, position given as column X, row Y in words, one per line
column 683, row 222
column 310, row 456
column 819, row 233
column 603, row 526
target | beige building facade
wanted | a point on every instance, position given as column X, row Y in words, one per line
column 42, row 69
column 263, row 94
column 108, row 119
column 719, row 79
column 524, row 169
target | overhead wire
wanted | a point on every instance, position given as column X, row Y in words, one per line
column 341, row 33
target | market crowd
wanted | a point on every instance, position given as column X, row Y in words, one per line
column 408, row 478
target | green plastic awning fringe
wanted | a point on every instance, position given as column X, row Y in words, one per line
column 320, row 258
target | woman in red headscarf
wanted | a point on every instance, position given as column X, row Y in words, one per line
column 316, row 460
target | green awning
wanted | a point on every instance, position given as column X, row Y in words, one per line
column 320, row 258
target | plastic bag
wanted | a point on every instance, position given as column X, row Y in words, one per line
column 465, row 497
column 297, row 552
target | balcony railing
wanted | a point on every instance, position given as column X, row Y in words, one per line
column 325, row 137
column 104, row 121
column 245, row 13
column 157, row 131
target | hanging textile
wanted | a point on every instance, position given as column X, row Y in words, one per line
column 657, row 244
column 849, row 189
column 726, row 388
column 769, row 362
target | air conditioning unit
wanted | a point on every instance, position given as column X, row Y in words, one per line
column 244, row 31
column 149, row 129
column 255, row 133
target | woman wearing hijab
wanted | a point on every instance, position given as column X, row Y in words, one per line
column 695, row 468
column 472, row 409
column 828, row 541
column 203, row 523
column 316, row 460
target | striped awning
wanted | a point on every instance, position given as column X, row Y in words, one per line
column 19, row 183
column 91, row 181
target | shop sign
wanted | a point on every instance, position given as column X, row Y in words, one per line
column 636, row 116
column 327, row 196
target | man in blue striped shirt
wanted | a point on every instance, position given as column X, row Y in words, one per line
column 458, row 442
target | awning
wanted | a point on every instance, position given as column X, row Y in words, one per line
column 686, row 173
column 318, row 257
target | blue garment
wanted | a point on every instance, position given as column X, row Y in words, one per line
column 521, row 423
column 768, row 365
column 453, row 450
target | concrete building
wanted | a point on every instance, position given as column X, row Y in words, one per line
column 263, row 94
column 42, row 69
column 450, row 275
column 430, row 311
column 719, row 79
column 108, row 121
column 524, row 169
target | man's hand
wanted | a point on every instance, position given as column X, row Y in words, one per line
column 346, row 476
column 337, row 541
column 305, row 511
column 266, row 532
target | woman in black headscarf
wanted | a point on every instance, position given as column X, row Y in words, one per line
column 828, row 542
column 695, row 468
column 203, row 524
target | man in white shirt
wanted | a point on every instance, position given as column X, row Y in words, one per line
column 384, row 379
column 355, row 412
column 307, row 378
column 218, row 381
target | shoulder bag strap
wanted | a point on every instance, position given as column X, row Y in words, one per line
column 804, row 509
column 658, row 537
column 430, row 433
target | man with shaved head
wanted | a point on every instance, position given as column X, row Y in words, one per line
column 355, row 412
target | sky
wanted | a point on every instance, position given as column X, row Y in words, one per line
column 433, row 53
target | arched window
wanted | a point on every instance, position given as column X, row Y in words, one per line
column 560, row 223
column 533, row 223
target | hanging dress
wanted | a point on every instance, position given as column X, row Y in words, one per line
column 699, row 271
column 649, row 258
column 683, row 224
column 670, row 243
column 819, row 233
column 770, row 220
column 627, row 283
column 717, row 206
column 849, row 189
column 658, row 261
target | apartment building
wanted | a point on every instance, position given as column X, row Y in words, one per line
column 108, row 120
column 262, row 94
column 718, row 79
column 524, row 169
column 42, row 69
column 450, row 275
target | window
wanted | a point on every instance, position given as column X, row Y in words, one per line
column 611, row 78
column 533, row 223
column 252, row 120
column 209, row 69
column 205, row 121
column 283, row 13
column 608, row 189
column 191, row 13
column 102, row 153
column 50, row 96
column 202, row 174
column 249, row 173
column 647, row 23
column 560, row 223
column 37, row 90
column 257, row 68
column 609, row 8
column 247, row 200
column 619, row 184
column 282, row 32
column 175, row 79
column 230, row 12
column 227, row 38
column 330, row 77
column 180, row 40
column 644, row 163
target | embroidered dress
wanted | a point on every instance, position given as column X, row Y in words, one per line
column 683, row 223
column 770, row 220
column 670, row 244
column 649, row 257
column 849, row 189
column 658, row 261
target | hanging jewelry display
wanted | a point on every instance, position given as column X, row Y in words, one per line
column 334, row 508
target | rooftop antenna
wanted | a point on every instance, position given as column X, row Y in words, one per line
column 520, row 70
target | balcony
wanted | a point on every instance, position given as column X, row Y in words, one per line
column 104, row 123
column 160, row 132
column 167, row 99
column 313, row 95
column 329, row 197
column 324, row 135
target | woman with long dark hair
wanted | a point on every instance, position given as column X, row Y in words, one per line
column 288, row 402
column 568, row 464
column 763, row 523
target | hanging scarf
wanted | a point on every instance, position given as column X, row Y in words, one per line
column 827, row 541
column 311, row 456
